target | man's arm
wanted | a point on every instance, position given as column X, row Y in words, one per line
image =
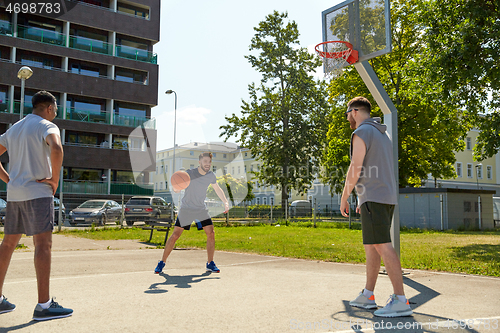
column 222, row 196
column 353, row 173
column 3, row 174
column 56, row 158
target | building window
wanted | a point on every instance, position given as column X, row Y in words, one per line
column 459, row 169
column 469, row 170
column 191, row 153
column 191, row 166
column 264, row 201
column 239, row 169
column 232, row 170
column 214, row 169
column 489, row 172
column 214, row 155
column 251, row 168
column 479, row 171
column 246, row 154
column 258, row 201
column 156, row 170
column 224, row 155
column 245, row 168
column 225, row 170
column 161, row 170
column 468, row 143
column 156, row 186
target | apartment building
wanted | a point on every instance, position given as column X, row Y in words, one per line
column 472, row 175
column 98, row 61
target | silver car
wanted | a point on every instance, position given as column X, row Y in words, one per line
column 96, row 212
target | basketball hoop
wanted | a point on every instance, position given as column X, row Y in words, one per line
column 336, row 55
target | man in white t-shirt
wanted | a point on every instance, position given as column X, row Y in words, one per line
column 35, row 160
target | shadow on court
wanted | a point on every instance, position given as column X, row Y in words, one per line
column 178, row 281
column 362, row 320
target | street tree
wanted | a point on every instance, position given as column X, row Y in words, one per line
column 463, row 38
column 283, row 122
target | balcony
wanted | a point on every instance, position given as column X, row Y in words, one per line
column 89, row 116
column 133, row 53
column 41, row 35
column 82, row 43
column 96, row 187
column 90, row 45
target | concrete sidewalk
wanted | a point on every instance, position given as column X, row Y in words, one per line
column 115, row 290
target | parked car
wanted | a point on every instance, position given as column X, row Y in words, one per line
column 145, row 208
column 3, row 206
column 96, row 211
column 300, row 208
column 57, row 205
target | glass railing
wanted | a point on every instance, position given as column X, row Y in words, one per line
column 90, row 116
column 5, row 106
column 41, row 35
column 136, row 54
column 85, row 187
column 82, row 43
column 5, row 28
column 131, row 189
column 98, row 187
column 91, row 45
column 131, row 121
column 28, row 107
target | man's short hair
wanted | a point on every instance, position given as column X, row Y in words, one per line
column 360, row 102
column 205, row 155
column 43, row 97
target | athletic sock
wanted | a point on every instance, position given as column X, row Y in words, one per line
column 367, row 293
column 45, row 305
column 402, row 298
column 1, row 299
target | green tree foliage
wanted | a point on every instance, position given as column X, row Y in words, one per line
column 430, row 130
column 236, row 190
column 283, row 124
column 463, row 37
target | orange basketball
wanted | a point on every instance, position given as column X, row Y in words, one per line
column 180, row 180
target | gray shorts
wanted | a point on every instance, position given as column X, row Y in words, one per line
column 376, row 220
column 31, row 217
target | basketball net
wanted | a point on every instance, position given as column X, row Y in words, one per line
column 336, row 55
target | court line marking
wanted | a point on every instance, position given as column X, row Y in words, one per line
column 125, row 273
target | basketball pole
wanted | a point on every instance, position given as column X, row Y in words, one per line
column 378, row 92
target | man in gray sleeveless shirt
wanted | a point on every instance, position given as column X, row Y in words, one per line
column 371, row 173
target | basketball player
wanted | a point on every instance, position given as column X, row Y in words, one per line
column 372, row 173
column 193, row 209
column 35, row 159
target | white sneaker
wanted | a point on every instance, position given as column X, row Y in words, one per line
column 364, row 302
column 394, row 308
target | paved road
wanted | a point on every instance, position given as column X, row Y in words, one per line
column 112, row 288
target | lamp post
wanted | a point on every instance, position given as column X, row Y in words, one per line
column 477, row 174
column 23, row 74
column 168, row 92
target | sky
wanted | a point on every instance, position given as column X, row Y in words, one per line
column 201, row 57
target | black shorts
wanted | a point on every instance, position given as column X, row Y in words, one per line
column 199, row 224
column 376, row 219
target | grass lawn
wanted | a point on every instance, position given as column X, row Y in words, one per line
column 459, row 252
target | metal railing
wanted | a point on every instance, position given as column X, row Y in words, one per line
column 41, row 35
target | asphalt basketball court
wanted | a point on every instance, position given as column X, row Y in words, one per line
column 112, row 288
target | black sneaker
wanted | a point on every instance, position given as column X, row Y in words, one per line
column 6, row 306
column 54, row 311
